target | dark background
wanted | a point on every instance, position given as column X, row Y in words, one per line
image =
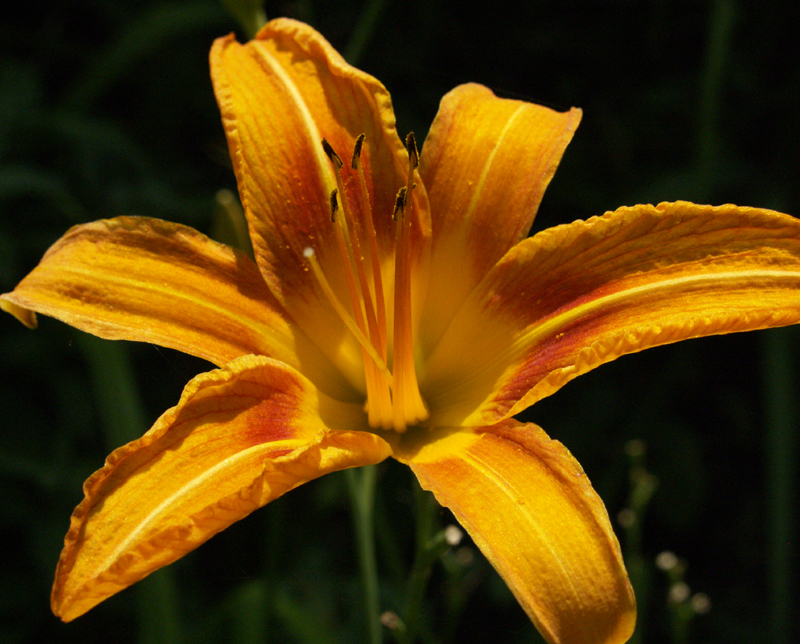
column 106, row 109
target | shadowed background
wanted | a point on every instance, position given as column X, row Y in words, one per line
column 106, row 109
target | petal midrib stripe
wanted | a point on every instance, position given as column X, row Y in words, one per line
column 476, row 195
column 487, row 468
column 551, row 326
column 187, row 490
column 314, row 136
column 221, row 309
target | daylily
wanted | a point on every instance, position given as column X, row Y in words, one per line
column 391, row 310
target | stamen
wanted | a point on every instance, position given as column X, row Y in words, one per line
column 413, row 153
column 350, row 233
column 357, row 298
column 377, row 279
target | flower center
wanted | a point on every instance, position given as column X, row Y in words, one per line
column 393, row 397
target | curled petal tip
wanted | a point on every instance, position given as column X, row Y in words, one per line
column 26, row 316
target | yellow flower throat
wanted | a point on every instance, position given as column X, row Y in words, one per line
column 393, row 397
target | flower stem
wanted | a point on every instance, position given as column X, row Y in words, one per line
column 643, row 485
column 430, row 547
column 361, row 487
column 426, row 555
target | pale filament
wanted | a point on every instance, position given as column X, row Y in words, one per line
column 348, row 320
column 361, row 303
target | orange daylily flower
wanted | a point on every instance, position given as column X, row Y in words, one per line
column 415, row 325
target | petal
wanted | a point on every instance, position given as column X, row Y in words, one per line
column 153, row 281
column 486, row 164
column 280, row 95
column 532, row 511
column 239, row 437
column 577, row 296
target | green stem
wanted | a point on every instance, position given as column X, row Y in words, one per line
column 418, row 581
column 426, row 555
column 429, row 549
column 361, row 486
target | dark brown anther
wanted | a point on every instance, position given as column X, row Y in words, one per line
column 357, row 151
column 399, row 203
column 335, row 159
column 334, row 203
column 411, row 146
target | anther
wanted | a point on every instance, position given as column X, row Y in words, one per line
column 335, row 159
column 411, row 146
column 400, row 203
column 334, row 203
column 357, row 151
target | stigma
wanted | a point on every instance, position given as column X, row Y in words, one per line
column 393, row 400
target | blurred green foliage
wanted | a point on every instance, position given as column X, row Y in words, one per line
column 106, row 109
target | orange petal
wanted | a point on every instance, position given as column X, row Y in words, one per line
column 576, row 296
column 280, row 95
column 239, row 437
column 531, row 510
column 153, row 281
column 486, row 163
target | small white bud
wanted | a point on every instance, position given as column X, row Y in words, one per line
column 390, row 620
column 666, row 561
column 679, row 593
column 701, row 603
column 626, row 518
column 453, row 535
